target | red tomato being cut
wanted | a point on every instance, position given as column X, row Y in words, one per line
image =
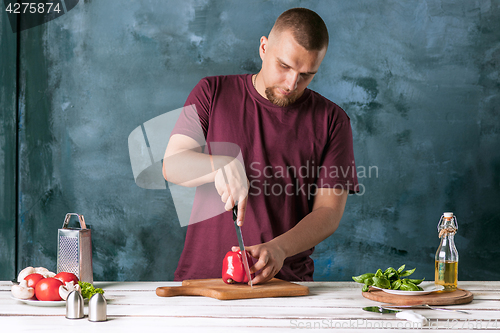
column 48, row 289
column 33, row 279
column 66, row 277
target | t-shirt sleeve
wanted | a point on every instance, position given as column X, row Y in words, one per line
column 194, row 118
column 338, row 168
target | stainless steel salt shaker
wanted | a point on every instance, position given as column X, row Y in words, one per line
column 74, row 305
column 97, row 308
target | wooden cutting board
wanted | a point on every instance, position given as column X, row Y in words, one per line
column 216, row 288
column 459, row 296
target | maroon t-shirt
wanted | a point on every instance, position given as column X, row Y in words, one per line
column 288, row 153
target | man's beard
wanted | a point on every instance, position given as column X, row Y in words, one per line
column 280, row 101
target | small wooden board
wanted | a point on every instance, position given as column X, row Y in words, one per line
column 216, row 288
column 459, row 296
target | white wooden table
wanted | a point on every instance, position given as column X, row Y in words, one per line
column 134, row 307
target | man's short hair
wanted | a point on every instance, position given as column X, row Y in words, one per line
column 306, row 26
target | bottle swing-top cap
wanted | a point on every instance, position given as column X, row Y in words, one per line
column 447, row 225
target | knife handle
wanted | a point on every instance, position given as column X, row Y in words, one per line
column 235, row 212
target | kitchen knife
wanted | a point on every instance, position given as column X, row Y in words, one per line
column 240, row 243
column 238, row 233
column 407, row 314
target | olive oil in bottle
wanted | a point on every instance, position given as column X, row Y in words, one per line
column 446, row 260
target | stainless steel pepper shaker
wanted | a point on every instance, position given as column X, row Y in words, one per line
column 97, row 308
column 74, row 305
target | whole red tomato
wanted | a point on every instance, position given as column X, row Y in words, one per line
column 33, row 279
column 48, row 289
column 66, row 277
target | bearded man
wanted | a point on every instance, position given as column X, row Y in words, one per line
column 289, row 137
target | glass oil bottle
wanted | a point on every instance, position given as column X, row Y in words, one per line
column 446, row 260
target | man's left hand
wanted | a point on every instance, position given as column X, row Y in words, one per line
column 270, row 260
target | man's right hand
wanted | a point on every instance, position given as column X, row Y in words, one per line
column 232, row 185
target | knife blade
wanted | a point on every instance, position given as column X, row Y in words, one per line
column 240, row 243
column 426, row 306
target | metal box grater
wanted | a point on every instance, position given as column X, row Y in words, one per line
column 74, row 250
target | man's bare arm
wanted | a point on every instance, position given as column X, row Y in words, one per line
column 184, row 164
column 315, row 227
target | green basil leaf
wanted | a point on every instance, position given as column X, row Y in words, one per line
column 407, row 273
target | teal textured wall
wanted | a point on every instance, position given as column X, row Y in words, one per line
column 419, row 79
column 8, row 147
